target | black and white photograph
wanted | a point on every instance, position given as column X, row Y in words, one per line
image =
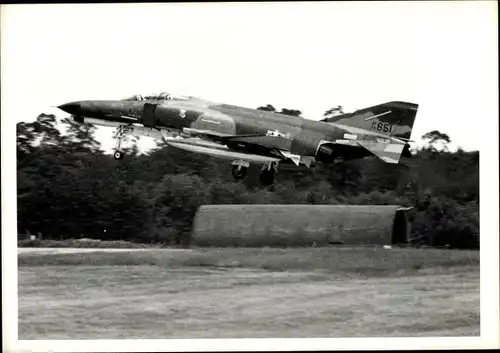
column 249, row 176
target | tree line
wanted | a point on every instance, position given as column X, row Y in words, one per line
column 67, row 187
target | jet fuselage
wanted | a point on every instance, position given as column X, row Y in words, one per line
column 246, row 135
column 294, row 134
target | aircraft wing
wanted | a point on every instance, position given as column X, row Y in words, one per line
column 251, row 143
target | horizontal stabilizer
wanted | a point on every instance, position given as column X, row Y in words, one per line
column 388, row 152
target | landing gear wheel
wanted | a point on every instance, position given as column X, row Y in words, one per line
column 118, row 155
column 266, row 177
column 239, row 172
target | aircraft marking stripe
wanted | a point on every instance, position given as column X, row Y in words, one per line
column 376, row 116
column 211, row 121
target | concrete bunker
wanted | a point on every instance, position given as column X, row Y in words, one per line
column 299, row 225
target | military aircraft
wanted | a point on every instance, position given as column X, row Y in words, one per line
column 244, row 135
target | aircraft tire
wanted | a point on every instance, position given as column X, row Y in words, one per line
column 118, row 155
column 239, row 174
column 266, row 177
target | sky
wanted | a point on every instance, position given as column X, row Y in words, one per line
column 307, row 56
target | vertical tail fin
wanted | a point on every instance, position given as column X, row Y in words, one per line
column 394, row 119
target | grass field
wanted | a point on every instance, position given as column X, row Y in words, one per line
column 222, row 293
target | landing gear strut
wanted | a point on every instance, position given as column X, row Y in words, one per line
column 120, row 134
column 266, row 175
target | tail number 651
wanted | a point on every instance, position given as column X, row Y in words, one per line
column 381, row 127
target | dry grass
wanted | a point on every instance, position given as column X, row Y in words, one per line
column 81, row 243
column 342, row 260
column 141, row 301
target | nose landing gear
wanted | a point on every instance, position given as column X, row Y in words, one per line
column 120, row 135
column 118, row 155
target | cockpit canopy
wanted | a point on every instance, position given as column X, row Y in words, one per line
column 156, row 97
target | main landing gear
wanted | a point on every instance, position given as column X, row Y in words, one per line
column 266, row 176
column 268, row 172
column 239, row 172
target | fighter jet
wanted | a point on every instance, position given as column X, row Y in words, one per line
column 244, row 136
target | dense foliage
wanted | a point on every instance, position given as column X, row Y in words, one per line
column 68, row 188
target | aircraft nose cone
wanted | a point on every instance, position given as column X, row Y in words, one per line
column 71, row 108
